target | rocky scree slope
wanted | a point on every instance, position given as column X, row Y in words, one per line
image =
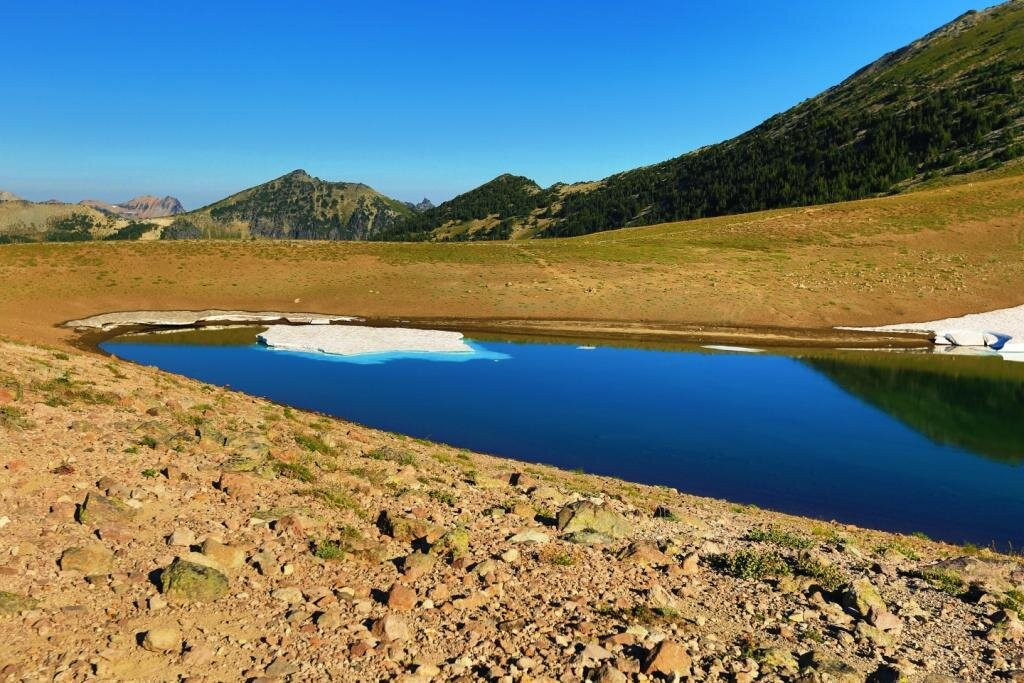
column 158, row 528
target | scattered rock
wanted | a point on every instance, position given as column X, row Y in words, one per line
column 230, row 557
column 162, row 639
column 401, row 597
column 97, row 509
column 530, row 536
column 667, row 658
column 182, row 537
column 391, row 628
column 91, row 559
column 860, row 597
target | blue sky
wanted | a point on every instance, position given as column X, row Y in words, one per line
column 200, row 99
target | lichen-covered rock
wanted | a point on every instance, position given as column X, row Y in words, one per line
column 99, row 509
column 185, row 582
column 408, row 529
column 873, row 635
column 861, row 596
column 823, row 666
column 454, row 543
column 13, row 603
column 530, row 536
column 90, row 559
column 586, row 516
column 778, row 659
column 417, row 565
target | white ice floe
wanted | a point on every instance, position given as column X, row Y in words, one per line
column 351, row 340
column 736, row 349
column 106, row 321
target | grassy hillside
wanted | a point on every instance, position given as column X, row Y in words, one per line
column 934, row 253
column 294, row 206
column 24, row 221
column 949, row 103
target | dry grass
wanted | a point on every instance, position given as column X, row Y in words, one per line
column 930, row 254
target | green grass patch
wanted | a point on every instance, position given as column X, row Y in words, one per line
column 779, row 537
column 945, row 580
column 336, row 498
column 294, row 470
column 828, row 575
column 394, row 455
column 446, row 497
column 314, row 444
column 13, row 418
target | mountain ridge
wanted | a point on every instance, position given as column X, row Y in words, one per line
column 295, row 205
column 143, row 206
column 947, row 103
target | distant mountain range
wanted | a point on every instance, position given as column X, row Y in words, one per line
column 143, row 206
column 948, row 103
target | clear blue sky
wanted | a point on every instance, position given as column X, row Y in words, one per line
column 202, row 98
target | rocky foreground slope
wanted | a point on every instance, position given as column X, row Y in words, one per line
column 156, row 528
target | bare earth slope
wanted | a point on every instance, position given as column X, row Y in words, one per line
column 931, row 254
column 153, row 527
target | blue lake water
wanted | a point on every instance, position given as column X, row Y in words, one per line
column 874, row 444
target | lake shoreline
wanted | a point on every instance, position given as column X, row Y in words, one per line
column 88, row 338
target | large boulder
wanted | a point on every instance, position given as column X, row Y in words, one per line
column 185, row 582
column 586, row 516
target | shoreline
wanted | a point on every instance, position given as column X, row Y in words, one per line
column 89, row 337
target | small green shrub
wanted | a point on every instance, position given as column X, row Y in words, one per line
column 562, row 560
column 751, row 564
column 149, row 472
column 330, row 550
column 147, row 441
column 392, row 455
column 446, row 497
column 336, row 498
column 776, row 536
column 12, row 418
column 1013, row 599
column 945, row 580
column 901, row 548
column 294, row 470
column 828, row 575
column 313, row 443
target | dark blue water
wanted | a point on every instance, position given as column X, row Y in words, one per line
column 763, row 429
